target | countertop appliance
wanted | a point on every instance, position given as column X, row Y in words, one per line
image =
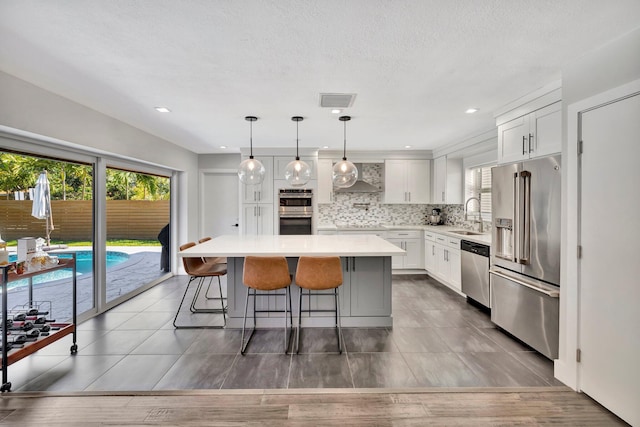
column 434, row 218
column 475, row 271
column 295, row 211
column 525, row 251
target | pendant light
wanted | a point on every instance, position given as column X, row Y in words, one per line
column 297, row 173
column 345, row 173
column 251, row 171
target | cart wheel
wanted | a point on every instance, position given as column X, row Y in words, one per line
column 74, row 349
column 5, row 387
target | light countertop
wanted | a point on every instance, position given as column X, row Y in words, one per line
column 484, row 238
column 275, row 245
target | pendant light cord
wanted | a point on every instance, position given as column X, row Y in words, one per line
column 297, row 155
column 344, row 153
column 250, row 139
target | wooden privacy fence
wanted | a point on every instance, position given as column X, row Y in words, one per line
column 73, row 219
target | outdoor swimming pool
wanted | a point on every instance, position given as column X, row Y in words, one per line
column 84, row 265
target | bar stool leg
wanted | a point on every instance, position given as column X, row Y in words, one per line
column 338, row 320
column 243, row 346
column 299, row 322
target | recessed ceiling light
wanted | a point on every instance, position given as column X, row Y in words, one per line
column 325, row 146
column 471, row 110
column 163, row 110
column 223, row 146
column 407, row 146
column 336, row 111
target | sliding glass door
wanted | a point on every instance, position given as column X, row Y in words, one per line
column 137, row 231
column 112, row 213
column 60, row 223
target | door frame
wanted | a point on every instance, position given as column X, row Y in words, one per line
column 201, row 177
column 566, row 367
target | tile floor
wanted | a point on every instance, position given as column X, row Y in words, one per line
column 438, row 340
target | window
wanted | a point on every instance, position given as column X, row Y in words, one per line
column 478, row 184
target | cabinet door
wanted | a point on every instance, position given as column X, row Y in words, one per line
column 455, row 269
column 262, row 193
column 546, row 127
column 414, row 258
column 430, row 256
column 325, row 183
column 249, row 219
column 280, row 164
column 370, row 286
column 418, row 181
column 513, row 140
column 257, row 219
column 395, row 181
column 442, row 264
column 397, row 262
column 265, row 219
column 439, row 179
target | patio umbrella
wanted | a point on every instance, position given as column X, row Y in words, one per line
column 41, row 208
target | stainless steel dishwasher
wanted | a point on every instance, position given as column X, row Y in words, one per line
column 475, row 271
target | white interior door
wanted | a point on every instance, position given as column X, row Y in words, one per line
column 219, row 203
column 609, row 290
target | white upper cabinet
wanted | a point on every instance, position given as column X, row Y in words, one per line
column 447, row 181
column 533, row 135
column 262, row 193
column 280, row 163
column 325, row 182
column 407, row 181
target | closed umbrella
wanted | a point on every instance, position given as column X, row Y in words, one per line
column 41, row 208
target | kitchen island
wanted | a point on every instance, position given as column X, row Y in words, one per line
column 365, row 296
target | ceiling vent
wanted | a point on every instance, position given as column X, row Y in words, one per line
column 337, row 100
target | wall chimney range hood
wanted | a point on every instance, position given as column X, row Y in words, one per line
column 360, row 186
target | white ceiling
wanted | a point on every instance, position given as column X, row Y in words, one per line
column 416, row 66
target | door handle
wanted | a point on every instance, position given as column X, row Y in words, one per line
column 235, row 225
column 525, row 239
column 530, row 138
column 524, row 138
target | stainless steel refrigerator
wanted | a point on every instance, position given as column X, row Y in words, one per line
column 525, row 251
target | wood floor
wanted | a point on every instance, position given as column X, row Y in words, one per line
column 468, row 407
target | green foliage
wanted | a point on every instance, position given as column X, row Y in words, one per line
column 70, row 181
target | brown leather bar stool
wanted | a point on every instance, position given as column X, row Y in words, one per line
column 211, row 260
column 267, row 275
column 316, row 274
column 198, row 270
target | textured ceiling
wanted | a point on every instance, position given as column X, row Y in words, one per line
column 415, row 66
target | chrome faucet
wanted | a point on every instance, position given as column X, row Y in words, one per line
column 466, row 207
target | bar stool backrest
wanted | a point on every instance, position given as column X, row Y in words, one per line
column 266, row 273
column 319, row 273
column 191, row 265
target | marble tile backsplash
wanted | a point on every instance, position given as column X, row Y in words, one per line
column 367, row 209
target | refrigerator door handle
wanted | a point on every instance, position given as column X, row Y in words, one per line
column 515, row 236
column 525, row 231
column 548, row 292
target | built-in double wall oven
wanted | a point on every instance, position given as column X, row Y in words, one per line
column 296, row 211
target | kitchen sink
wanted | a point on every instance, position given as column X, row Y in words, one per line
column 466, row 232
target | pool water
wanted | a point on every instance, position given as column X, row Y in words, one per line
column 84, row 265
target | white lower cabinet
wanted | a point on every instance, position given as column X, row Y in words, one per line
column 257, row 219
column 442, row 259
column 429, row 252
column 411, row 242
